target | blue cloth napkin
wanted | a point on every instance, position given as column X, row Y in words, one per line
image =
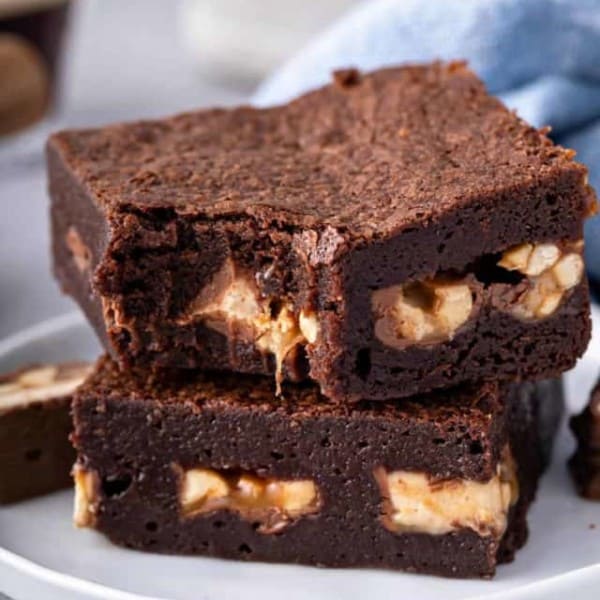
column 541, row 57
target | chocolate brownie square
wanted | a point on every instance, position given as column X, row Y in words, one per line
column 386, row 235
column 218, row 465
column 36, row 455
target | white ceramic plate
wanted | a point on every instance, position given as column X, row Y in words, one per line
column 43, row 557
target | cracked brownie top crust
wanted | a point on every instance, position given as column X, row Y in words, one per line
column 370, row 155
column 386, row 235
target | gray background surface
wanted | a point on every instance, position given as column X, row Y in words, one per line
column 124, row 59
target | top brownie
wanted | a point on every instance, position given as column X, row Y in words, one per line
column 331, row 237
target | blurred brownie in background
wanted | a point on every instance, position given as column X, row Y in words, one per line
column 36, row 455
column 31, row 34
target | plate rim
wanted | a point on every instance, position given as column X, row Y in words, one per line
column 61, row 581
column 30, row 334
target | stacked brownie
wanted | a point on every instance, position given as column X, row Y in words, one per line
column 325, row 322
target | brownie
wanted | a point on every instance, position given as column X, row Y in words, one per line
column 585, row 462
column 386, row 235
column 36, row 456
column 218, row 465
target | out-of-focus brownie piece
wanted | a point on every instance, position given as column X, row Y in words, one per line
column 31, row 38
column 218, row 465
column 36, row 455
column 585, row 462
column 385, row 235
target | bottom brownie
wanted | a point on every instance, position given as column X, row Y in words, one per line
column 36, row 456
column 219, row 466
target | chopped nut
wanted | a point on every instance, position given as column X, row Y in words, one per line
column 568, row 271
column 423, row 311
column 453, row 304
column 39, row 384
column 270, row 502
column 542, row 257
column 86, row 485
column 530, row 259
column 240, row 300
column 201, row 485
column 517, row 258
column 309, row 326
column 551, row 273
column 252, row 488
column 548, row 304
column 80, row 252
column 415, row 502
column 292, row 496
column 414, row 323
column 38, row 377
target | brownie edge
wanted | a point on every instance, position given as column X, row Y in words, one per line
column 143, row 446
column 382, row 239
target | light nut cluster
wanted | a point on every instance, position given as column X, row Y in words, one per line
column 206, row 490
column 231, row 296
column 292, row 496
column 30, row 379
column 309, row 326
column 81, row 254
column 42, row 383
column 200, row 486
column 530, row 259
column 414, row 502
column 424, row 311
column 551, row 272
column 86, row 485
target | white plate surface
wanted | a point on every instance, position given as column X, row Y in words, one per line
column 43, row 556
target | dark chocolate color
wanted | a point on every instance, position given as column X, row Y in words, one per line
column 36, row 455
column 585, row 462
column 131, row 431
column 372, row 181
